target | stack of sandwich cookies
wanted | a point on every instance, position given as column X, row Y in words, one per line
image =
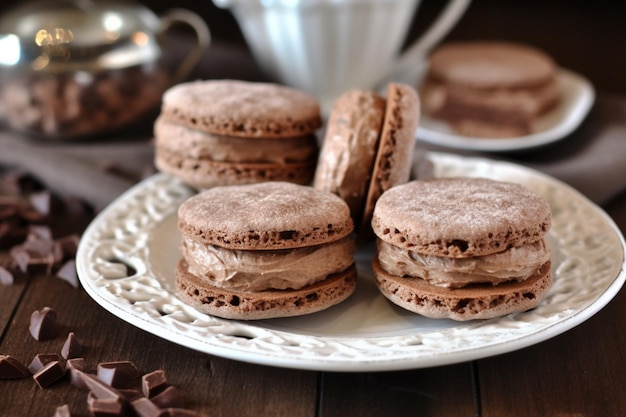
column 368, row 147
column 266, row 250
column 462, row 248
column 490, row 89
column 226, row 132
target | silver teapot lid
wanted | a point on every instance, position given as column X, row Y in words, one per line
column 71, row 35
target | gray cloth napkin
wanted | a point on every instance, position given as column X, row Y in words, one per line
column 96, row 173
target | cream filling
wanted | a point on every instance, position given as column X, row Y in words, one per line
column 258, row 270
column 219, row 148
column 514, row 264
column 533, row 101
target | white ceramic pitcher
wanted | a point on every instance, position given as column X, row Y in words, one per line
column 327, row 47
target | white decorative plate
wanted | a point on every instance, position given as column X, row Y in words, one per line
column 366, row 332
column 577, row 97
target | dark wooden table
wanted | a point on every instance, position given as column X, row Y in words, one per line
column 579, row 373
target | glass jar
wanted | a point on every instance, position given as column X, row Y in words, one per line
column 76, row 68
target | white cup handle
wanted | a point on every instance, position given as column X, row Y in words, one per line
column 437, row 30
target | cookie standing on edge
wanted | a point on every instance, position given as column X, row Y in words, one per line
column 349, row 149
column 462, row 248
column 489, row 89
column 228, row 132
column 267, row 250
column 368, row 147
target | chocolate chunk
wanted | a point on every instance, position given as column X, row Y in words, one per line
column 40, row 360
column 43, row 324
column 17, row 181
column 67, row 273
column 8, row 207
column 30, row 214
column 11, row 233
column 153, row 383
column 76, row 368
column 69, row 245
column 11, row 368
column 121, row 374
column 62, row 411
column 43, row 248
column 39, row 232
column 41, row 202
column 143, row 407
column 105, row 407
column 36, row 255
column 75, row 363
column 6, row 277
column 169, row 397
column 49, row 374
column 130, row 394
column 32, row 262
column 72, row 347
column 101, row 390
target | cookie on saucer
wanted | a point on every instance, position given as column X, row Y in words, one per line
column 228, row 132
column 462, row 248
column 368, row 147
column 266, row 250
column 490, row 89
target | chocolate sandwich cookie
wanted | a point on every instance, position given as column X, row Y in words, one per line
column 349, row 147
column 462, row 248
column 489, row 88
column 258, row 251
column 368, row 147
column 227, row 132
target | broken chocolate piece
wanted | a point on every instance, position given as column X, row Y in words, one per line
column 105, row 407
column 72, row 347
column 41, row 202
column 62, row 411
column 11, row 233
column 75, row 363
column 8, row 206
column 76, row 368
column 17, row 181
column 11, row 368
column 69, row 245
column 43, row 324
column 130, row 394
column 100, row 390
column 67, row 273
column 49, row 374
column 153, row 383
column 39, row 232
column 143, row 407
column 36, row 256
column 121, row 374
column 40, row 360
column 30, row 214
column 169, row 397
column 31, row 262
column 6, row 277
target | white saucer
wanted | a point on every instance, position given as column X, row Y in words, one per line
column 578, row 96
